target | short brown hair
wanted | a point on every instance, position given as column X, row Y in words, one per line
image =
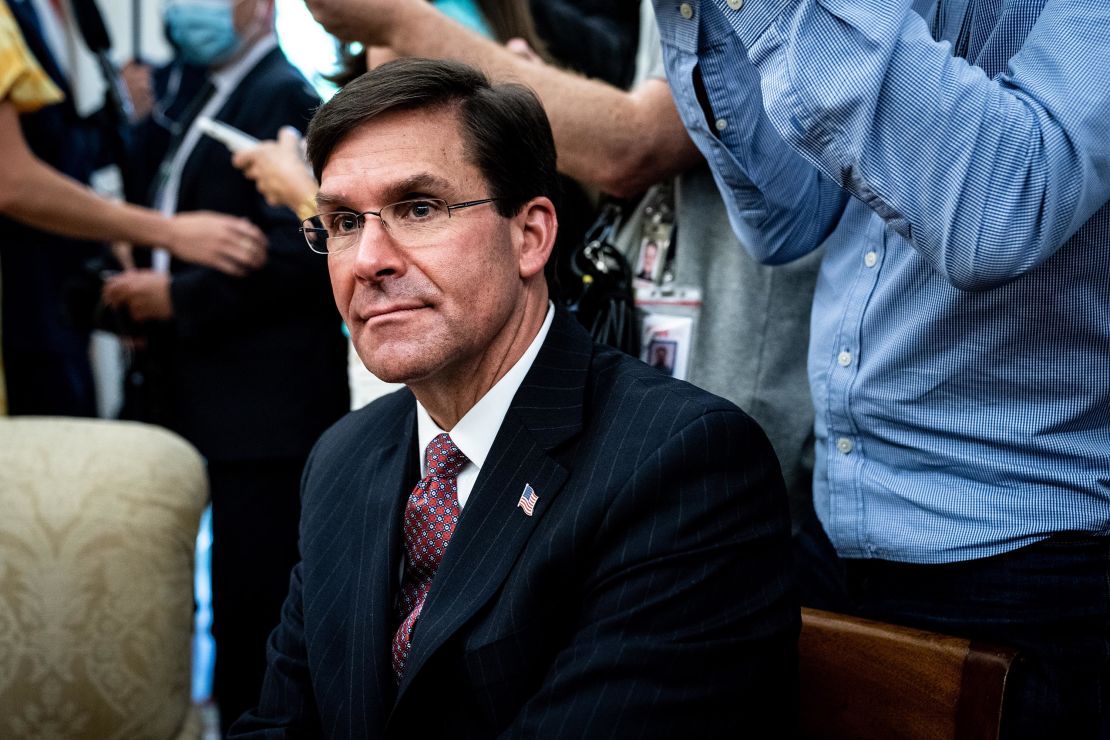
column 505, row 131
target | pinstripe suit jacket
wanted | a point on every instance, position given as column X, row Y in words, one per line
column 648, row 595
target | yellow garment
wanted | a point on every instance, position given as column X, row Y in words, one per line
column 28, row 88
column 22, row 80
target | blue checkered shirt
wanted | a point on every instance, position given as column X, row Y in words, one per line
column 960, row 352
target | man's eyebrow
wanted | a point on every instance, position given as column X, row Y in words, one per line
column 326, row 202
column 421, row 183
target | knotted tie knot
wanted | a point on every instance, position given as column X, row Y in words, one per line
column 442, row 458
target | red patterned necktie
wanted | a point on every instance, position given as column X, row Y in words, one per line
column 431, row 513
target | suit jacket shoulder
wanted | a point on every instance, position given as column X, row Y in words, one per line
column 384, row 422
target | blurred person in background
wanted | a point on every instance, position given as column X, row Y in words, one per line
column 44, row 209
column 164, row 98
column 45, row 216
column 255, row 366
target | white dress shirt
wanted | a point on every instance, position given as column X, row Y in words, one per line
column 475, row 432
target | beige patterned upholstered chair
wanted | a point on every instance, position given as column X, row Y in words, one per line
column 97, row 527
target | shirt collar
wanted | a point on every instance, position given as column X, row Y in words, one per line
column 475, row 432
column 227, row 78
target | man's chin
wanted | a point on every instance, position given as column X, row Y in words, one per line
column 392, row 366
column 407, row 352
column 385, row 371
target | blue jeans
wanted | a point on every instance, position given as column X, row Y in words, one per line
column 1050, row 601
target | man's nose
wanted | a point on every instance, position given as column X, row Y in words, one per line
column 377, row 255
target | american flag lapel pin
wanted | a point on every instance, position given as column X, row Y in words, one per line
column 528, row 500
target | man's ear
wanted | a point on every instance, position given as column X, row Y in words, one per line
column 537, row 225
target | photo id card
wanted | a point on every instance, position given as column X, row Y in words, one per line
column 669, row 321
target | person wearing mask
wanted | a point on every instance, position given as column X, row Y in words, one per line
column 256, row 366
column 46, row 215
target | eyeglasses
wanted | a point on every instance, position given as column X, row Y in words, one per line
column 413, row 223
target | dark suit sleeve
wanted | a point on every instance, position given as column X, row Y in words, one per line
column 287, row 707
column 294, row 279
column 688, row 625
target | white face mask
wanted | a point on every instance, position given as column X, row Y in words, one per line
column 204, row 30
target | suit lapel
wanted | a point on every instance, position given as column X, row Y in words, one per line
column 192, row 174
column 546, row 412
column 383, row 481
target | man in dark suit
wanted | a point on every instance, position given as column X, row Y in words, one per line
column 593, row 549
column 256, row 365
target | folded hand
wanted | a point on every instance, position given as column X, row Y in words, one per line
column 145, row 294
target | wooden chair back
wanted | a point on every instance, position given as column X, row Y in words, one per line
column 864, row 680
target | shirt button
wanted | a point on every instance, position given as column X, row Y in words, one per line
column 736, row 4
column 870, row 259
column 844, row 358
column 721, row 124
column 686, row 11
column 843, row 445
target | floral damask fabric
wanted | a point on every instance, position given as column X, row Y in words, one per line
column 97, row 527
